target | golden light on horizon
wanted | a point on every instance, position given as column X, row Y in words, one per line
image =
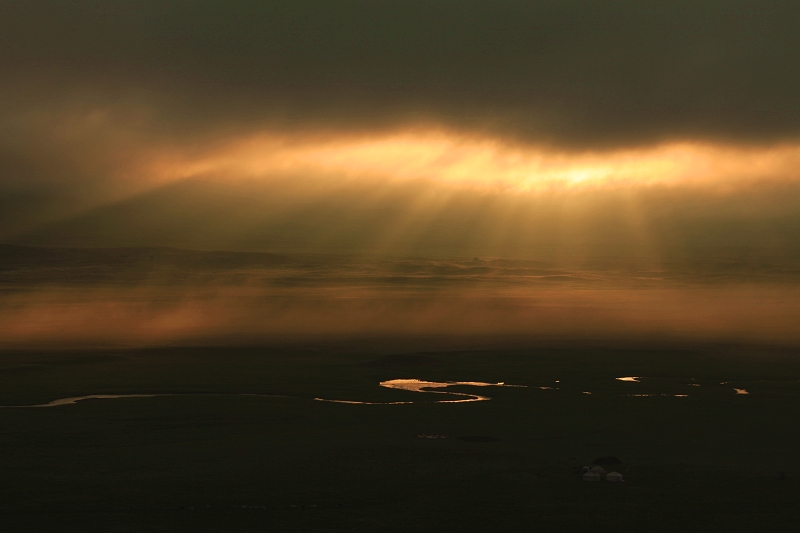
column 482, row 162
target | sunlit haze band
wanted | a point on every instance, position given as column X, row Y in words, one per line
column 475, row 161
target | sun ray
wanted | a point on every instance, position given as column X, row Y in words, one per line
column 462, row 160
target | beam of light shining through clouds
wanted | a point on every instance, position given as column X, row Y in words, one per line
column 593, row 137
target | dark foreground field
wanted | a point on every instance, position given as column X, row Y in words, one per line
column 714, row 460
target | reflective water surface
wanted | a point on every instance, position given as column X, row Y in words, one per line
column 418, row 385
column 412, row 385
column 409, row 385
column 75, row 399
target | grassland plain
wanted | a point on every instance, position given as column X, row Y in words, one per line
column 206, row 458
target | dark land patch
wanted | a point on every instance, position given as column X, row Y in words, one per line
column 477, row 438
column 609, row 460
column 403, row 361
column 237, row 464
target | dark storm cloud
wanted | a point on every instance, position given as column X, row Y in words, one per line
column 590, row 73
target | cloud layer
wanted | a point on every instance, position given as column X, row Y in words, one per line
column 570, row 72
column 403, row 127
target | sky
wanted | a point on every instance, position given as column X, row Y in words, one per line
column 640, row 161
column 569, row 130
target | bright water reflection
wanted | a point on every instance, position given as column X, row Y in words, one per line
column 412, row 385
column 418, row 385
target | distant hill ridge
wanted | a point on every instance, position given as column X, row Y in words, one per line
column 15, row 256
column 25, row 265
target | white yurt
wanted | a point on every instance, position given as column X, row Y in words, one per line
column 592, row 476
column 614, row 477
column 598, row 469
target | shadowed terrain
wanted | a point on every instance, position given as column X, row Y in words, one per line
column 713, row 459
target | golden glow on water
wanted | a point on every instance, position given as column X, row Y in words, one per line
column 417, row 385
column 353, row 402
column 630, row 378
column 454, row 158
column 409, row 385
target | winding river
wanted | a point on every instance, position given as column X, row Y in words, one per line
column 412, row 385
column 409, row 385
column 418, row 385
